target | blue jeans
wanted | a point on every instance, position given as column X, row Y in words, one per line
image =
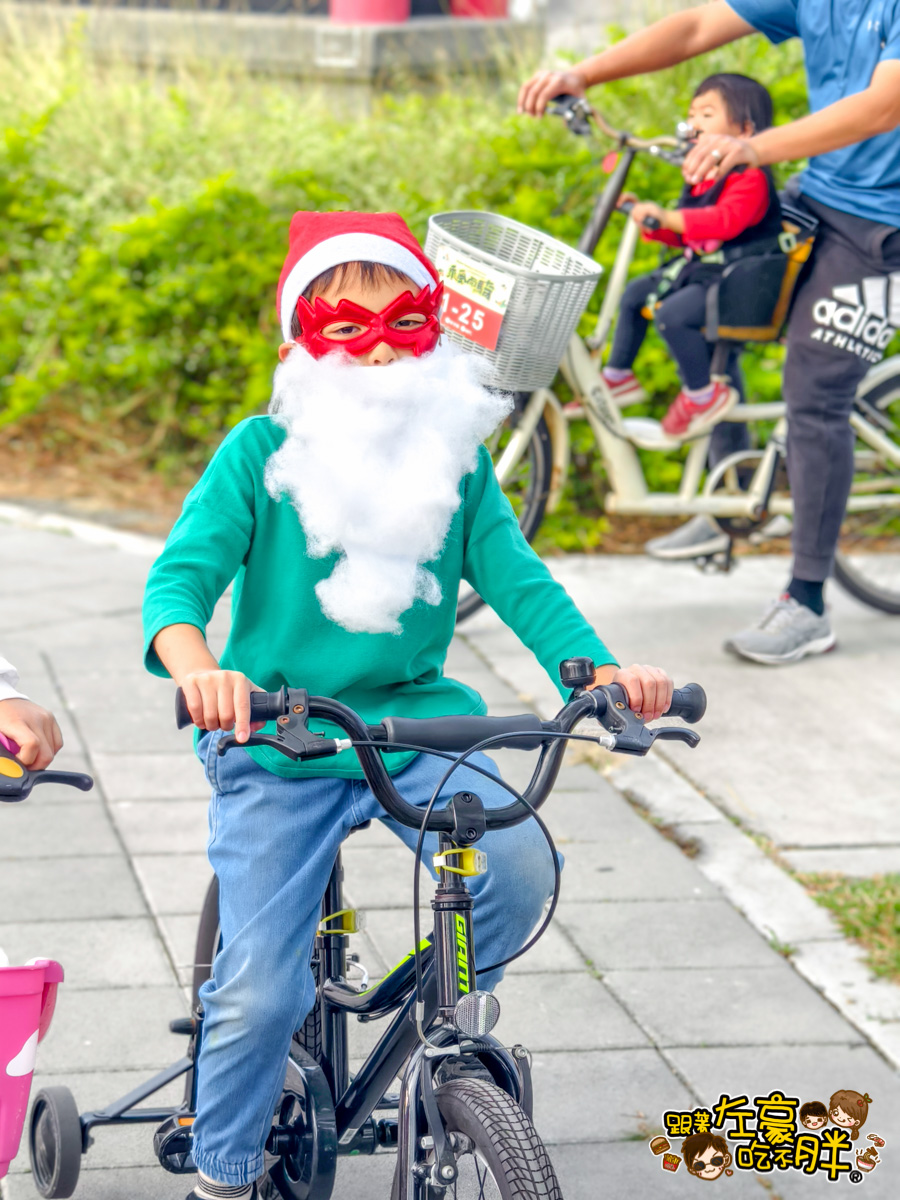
column 272, row 844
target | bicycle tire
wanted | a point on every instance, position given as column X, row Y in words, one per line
column 513, row 1159
column 858, row 574
column 209, row 937
column 530, row 506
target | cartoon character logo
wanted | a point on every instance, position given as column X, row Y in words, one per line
column 705, row 1155
column 813, row 1114
column 849, row 1110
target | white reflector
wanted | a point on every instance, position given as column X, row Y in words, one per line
column 477, row 1013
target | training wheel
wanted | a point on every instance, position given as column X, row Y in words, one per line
column 55, row 1142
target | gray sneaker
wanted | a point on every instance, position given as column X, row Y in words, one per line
column 699, row 536
column 788, row 632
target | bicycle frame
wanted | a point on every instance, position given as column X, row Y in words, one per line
column 617, row 437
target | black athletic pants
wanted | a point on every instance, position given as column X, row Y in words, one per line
column 845, row 312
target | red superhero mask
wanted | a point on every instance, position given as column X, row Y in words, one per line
column 377, row 327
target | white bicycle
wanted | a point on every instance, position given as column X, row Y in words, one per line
column 534, row 289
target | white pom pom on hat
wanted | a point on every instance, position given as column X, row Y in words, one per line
column 319, row 241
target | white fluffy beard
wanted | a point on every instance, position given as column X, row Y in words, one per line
column 372, row 463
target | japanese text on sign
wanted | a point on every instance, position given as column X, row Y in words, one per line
column 475, row 297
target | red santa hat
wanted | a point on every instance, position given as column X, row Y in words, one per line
column 319, row 241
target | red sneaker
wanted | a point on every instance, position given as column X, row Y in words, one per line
column 626, row 391
column 686, row 418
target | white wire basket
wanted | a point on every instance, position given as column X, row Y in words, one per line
column 549, row 285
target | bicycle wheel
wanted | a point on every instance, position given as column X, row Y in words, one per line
column 867, row 563
column 527, row 490
column 499, row 1155
column 209, row 941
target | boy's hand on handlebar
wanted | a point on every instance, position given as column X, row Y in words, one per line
column 649, row 689
column 220, row 700
column 34, row 729
column 537, row 92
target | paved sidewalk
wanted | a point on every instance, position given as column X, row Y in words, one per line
column 650, row 992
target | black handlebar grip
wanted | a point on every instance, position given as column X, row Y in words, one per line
column 459, row 733
column 264, row 706
column 688, row 703
column 651, row 223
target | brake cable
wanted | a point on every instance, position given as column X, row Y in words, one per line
column 457, row 761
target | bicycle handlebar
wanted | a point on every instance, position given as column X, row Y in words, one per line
column 292, row 708
column 577, row 112
column 17, row 780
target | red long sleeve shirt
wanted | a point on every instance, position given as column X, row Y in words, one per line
column 743, row 202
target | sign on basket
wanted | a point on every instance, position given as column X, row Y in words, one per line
column 475, row 297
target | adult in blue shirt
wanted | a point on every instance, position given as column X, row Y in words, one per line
column 852, row 185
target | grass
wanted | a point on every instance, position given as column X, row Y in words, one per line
column 868, row 911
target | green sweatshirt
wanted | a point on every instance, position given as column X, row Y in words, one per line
column 232, row 530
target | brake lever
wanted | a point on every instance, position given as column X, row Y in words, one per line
column 632, row 735
column 294, row 740
column 575, row 111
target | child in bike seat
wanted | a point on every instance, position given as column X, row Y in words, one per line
column 715, row 222
column 345, row 518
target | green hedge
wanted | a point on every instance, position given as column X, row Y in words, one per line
column 143, row 225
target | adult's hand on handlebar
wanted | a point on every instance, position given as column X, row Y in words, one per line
column 649, row 689
column 220, row 700
column 537, row 92
column 718, row 153
column 34, row 729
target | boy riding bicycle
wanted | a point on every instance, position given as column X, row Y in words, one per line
column 346, row 519
column 714, row 221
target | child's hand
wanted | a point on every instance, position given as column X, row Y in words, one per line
column 649, row 689
column 34, row 729
column 220, row 700
column 627, row 198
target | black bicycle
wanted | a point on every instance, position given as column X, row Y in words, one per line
column 462, row 1120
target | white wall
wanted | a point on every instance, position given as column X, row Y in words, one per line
column 580, row 25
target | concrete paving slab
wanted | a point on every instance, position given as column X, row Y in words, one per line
column 122, row 1029
column 757, row 885
column 48, row 889
column 658, row 934
column 94, row 953
column 555, row 1012
column 629, row 1171
column 637, row 865
column 746, row 707
column 173, row 883
column 383, row 877
column 123, row 710
column 77, row 828
column 142, row 1183
column 133, row 777
column 602, row 1095
column 162, row 826
column 861, row 861
column 747, row 1006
